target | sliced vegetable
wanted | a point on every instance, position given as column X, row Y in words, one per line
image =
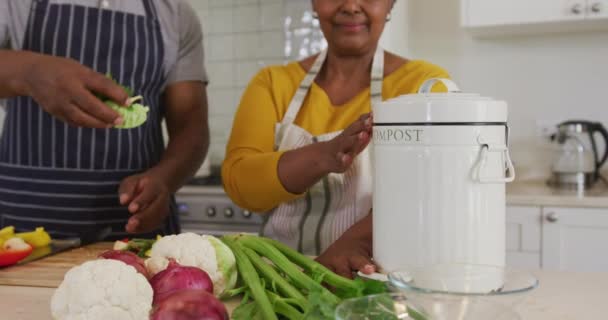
column 6, row 233
column 38, row 238
column 13, row 251
column 190, row 305
column 133, row 114
column 121, row 245
column 129, row 258
column 176, row 278
column 140, row 246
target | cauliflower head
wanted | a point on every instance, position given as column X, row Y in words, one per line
column 102, row 289
column 193, row 250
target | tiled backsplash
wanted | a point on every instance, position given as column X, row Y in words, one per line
column 241, row 37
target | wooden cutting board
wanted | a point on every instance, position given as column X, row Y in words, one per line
column 30, row 286
column 48, row 272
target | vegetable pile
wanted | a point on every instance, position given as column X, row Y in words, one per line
column 278, row 280
column 134, row 114
column 118, row 285
column 186, row 272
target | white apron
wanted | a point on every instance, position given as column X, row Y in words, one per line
column 312, row 223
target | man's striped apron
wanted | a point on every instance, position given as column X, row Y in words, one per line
column 66, row 178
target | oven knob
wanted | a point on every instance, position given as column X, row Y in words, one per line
column 228, row 212
column 211, row 211
column 246, row 213
column 183, row 209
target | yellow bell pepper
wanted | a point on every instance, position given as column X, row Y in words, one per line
column 6, row 233
column 38, row 238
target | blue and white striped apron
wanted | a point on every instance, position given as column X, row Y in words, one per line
column 66, row 178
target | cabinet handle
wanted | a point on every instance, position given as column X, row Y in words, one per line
column 552, row 217
column 577, row 9
column 596, row 7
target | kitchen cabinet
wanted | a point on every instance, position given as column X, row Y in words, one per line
column 505, row 17
column 524, row 236
column 557, row 238
column 575, row 239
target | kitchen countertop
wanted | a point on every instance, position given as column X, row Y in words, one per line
column 520, row 192
column 561, row 296
column 538, row 193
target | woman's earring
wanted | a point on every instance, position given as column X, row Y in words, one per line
column 388, row 17
column 315, row 15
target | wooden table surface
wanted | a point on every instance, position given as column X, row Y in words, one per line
column 48, row 272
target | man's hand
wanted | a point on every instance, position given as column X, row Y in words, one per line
column 147, row 198
column 65, row 89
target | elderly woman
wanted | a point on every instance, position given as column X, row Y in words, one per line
column 298, row 147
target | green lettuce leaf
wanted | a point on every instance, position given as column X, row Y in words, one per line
column 134, row 115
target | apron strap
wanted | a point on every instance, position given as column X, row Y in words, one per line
column 377, row 76
column 302, row 91
column 150, row 9
column 41, row 2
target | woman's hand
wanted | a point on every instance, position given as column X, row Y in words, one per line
column 64, row 88
column 352, row 252
column 301, row 168
column 341, row 151
column 147, row 198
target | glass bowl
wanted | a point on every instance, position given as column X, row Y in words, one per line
column 464, row 282
column 396, row 306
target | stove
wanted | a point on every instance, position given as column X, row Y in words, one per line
column 205, row 208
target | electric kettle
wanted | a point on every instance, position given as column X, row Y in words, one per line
column 577, row 161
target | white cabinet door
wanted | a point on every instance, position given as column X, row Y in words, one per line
column 575, row 239
column 524, row 236
column 477, row 13
column 597, row 9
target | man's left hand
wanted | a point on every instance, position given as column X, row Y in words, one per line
column 147, row 198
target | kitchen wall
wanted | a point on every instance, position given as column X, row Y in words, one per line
column 241, row 37
column 543, row 77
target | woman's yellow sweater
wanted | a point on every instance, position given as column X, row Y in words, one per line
column 249, row 171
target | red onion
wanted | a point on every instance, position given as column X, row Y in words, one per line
column 190, row 305
column 129, row 258
column 176, row 278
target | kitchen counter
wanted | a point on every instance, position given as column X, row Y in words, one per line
column 561, row 296
column 538, row 193
column 519, row 193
